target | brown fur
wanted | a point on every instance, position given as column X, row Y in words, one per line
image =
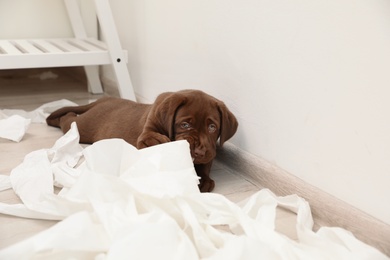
column 190, row 115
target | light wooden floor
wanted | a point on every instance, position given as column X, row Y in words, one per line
column 22, row 89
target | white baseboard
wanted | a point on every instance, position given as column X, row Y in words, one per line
column 327, row 210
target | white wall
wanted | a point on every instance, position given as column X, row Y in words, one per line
column 33, row 19
column 308, row 80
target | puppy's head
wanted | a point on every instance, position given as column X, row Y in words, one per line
column 199, row 118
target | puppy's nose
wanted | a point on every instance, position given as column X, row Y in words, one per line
column 199, row 153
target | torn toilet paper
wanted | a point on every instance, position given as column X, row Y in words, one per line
column 13, row 127
column 124, row 203
column 15, row 122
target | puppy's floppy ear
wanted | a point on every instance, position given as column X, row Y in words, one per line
column 229, row 123
column 161, row 118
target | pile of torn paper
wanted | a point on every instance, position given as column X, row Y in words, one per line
column 124, row 203
column 15, row 122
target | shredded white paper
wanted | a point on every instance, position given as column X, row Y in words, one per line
column 13, row 127
column 15, row 122
column 124, row 203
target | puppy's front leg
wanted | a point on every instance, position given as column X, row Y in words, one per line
column 147, row 139
column 203, row 171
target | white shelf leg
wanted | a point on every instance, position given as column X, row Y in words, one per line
column 94, row 83
column 92, row 72
column 107, row 25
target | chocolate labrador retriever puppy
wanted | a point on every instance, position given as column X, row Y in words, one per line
column 190, row 115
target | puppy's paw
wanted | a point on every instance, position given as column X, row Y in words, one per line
column 150, row 139
column 206, row 185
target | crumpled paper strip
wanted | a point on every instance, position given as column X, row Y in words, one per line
column 159, row 171
column 126, row 204
column 39, row 114
column 34, row 178
column 15, row 122
column 72, row 237
column 14, row 127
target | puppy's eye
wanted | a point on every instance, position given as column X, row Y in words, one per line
column 212, row 128
column 185, row 125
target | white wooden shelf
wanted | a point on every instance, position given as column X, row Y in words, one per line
column 78, row 51
column 36, row 53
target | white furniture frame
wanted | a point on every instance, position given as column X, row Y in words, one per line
column 78, row 51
